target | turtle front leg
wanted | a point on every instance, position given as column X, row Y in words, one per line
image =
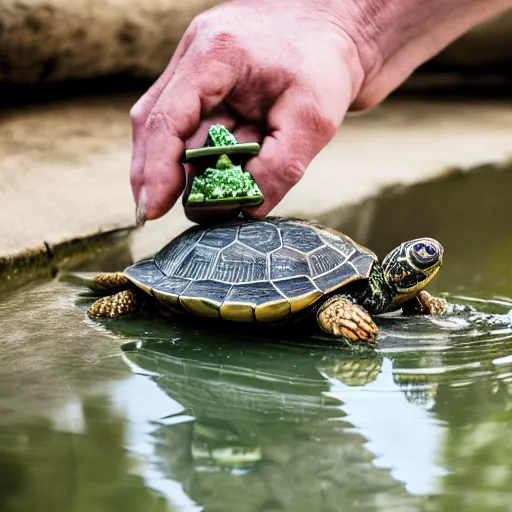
column 113, row 306
column 424, row 304
column 343, row 318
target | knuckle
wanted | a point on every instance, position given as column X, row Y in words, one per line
column 330, row 126
column 222, row 40
column 322, row 123
column 194, row 25
column 137, row 113
column 199, row 20
column 158, row 121
column 317, row 114
column 292, row 171
column 224, row 46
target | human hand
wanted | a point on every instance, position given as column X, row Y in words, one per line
column 283, row 73
column 272, row 72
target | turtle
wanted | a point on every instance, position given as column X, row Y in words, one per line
column 273, row 270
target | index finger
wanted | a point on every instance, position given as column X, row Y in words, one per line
column 198, row 86
column 140, row 111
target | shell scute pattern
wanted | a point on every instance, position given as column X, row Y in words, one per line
column 198, row 263
column 213, row 291
column 344, row 245
column 295, row 286
column 239, row 264
column 324, row 259
column 220, row 238
column 361, row 262
column 172, row 285
column 262, row 236
column 300, row 238
column 256, row 264
column 287, row 262
column 173, row 254
column 145, row 272
column 253, row 293
column 335, row 278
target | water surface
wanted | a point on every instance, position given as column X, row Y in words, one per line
column 145, row 414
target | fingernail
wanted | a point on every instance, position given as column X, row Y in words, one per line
column 140, row 211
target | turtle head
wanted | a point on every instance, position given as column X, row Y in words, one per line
column 411, row 266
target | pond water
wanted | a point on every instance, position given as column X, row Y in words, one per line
column 147, row 414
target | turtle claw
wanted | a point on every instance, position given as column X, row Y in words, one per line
column 425, row 304
column 114, row 306
column 343, row 318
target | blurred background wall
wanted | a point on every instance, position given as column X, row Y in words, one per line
column 51, row 40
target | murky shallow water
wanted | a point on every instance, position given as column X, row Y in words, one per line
column 189, row 419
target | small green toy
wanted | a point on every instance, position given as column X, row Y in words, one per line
column 223, row 185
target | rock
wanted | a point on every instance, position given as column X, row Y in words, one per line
column 49, row 40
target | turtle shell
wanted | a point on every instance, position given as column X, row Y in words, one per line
column 248, row 270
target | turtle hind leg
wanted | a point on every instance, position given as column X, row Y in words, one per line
column 121, row 304
column 110, row 281
column 345, row 319
column 424, row 304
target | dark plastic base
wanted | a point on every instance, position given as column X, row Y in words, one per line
column 218, row 209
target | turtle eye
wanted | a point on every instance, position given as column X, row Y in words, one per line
column 424, row 254
column 424, row 250
column 430, row 249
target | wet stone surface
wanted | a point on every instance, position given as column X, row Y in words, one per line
column 152, row 414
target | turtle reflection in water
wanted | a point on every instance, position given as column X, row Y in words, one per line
column 276, row 270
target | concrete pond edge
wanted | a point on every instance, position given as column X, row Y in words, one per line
column 45, row 261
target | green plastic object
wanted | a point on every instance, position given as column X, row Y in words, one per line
column 223, row 183
column 219, row 135
column 246, row 149
column 221, row 141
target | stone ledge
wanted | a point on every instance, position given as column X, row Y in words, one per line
column 45, row 261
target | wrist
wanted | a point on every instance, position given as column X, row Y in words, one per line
column 393, row 37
